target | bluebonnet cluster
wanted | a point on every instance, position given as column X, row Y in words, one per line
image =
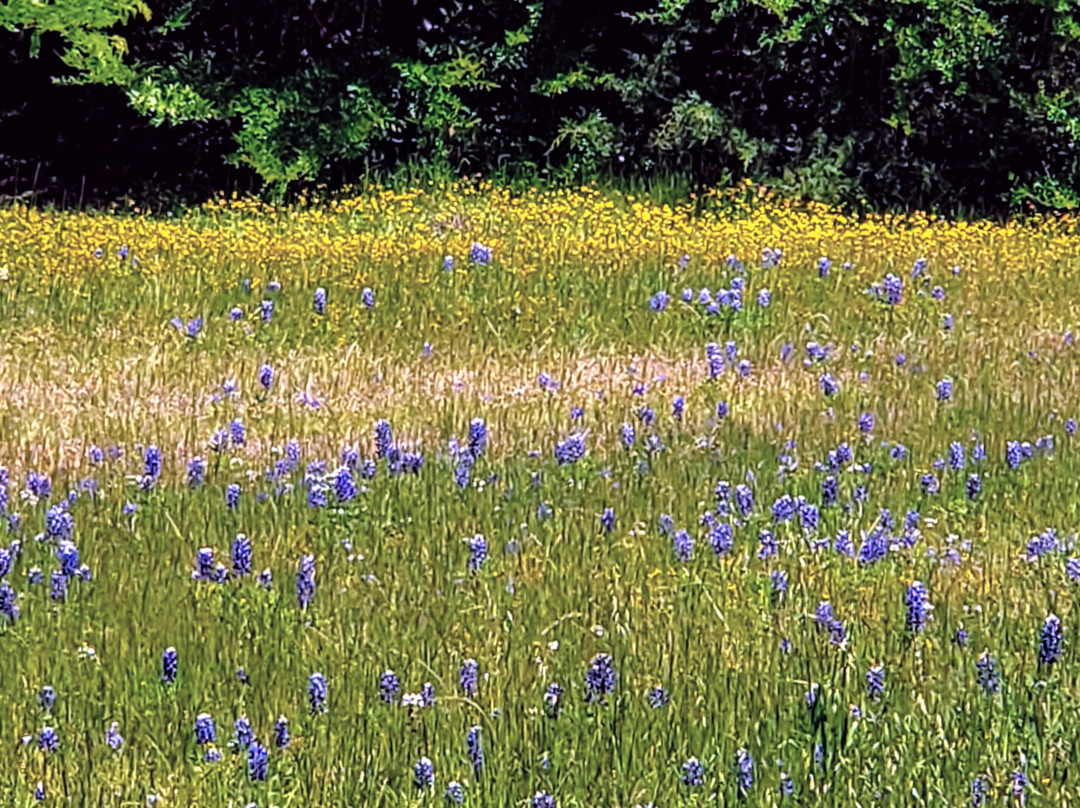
column 986, row 673
column 571, row 450
column 600, row 679
column 475, row 749
column 1050, row 641
column 305, row 581
column 916, row 608
column 553, row 700
column 479, row 254
column 468, row 677
column 317, row 693
column 693, row 773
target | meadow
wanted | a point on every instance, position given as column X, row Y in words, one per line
column 555, row 498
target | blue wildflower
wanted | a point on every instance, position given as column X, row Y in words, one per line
column 305, row 581
column 317, row 693
column 916, row 606
column 600, row 679
column 693, row 773
column 205, row 732
column 1050, row 641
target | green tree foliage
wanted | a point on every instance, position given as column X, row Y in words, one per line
column 929, row 103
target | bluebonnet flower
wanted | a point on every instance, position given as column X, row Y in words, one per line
column 478, row 436
column 170, row 664
column 916, row 608
column 316, row 495
column 678, row 405
column 607, row 520
column 744, row 499
column 722, row 538
column 778, row 582
column 688, row 295
column 944, row 389
column 424, row 774
column 236, row 314
column 683, row 545
column 316, row 693
column 232, row 496
column 243, row 734
column 947, row 322
column 715, row 360
column 658, row 697
column 266, row 376
column 543, row 511
column 986, row 674
column 541, row 799
column 665, row 524
column 929, row 484
column 204, row 564
column 212, row 755
column 389, row 685
column 205, row 732
column 893, row 289
column 693, row 773
column 659, row 301
column 68, row 556
column 956, row 455
column 784, row 508
column 48, row 741
column 463, row 470
column 9, row 608
column 809, row 516
column 1050, row 641
column 238, row 432
column 1019, row 783
column 384, row 438
column 599, row 679
column 1070, row 426
column 196, row 472
column 1072, row 569
column 152, row 462
column 767, row 545
column 830, row 490
column 843, row 544
column 823, row 265
column 266, row 310
column 59, row 585
column 874, row 547
column 46, row 698
column 764, row 297
column 281, row 732
column 5, row 562
column 961, row 638
column 39, row 792
column 974, row 486
column 1013, row 454
column 367, row 469
column 469, row 676
column 478, row 550
column 980, row 791
column 273, row 287
column 305, row 581
column 241, row 555
column 344, row 485
column 646, row 415
column 744, row 771
column 475, row 749
column 319, row 301
column 113, row 737
column 570, row 450
column 367, row 297
column 866, row 422
column 258, row 761
column 828, row 384
column 454, row 793
column 875, row 682
column 479, row 254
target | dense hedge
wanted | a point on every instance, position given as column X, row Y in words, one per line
column 906, row 103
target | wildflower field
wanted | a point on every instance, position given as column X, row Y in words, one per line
column 540, row 499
